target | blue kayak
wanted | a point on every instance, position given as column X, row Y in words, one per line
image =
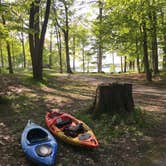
column 39, row 145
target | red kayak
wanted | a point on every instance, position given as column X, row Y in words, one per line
column 70, row 129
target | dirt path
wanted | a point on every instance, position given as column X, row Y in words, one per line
column 149, row 96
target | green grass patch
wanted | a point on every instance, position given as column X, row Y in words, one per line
column 118, row 125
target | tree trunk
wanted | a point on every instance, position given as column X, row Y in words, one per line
column 74, row 54
column 36, row 39
column 154, row 47
column 125, row 64
column 164, row 56
column 100, row 38
column 50, row 56
column 130, row 65
column 9, row 58
column 59, row 44
column 121, row 63
column 133, row 65
column 66, row 35
column 113, row 98
column 8, row 50
column 113, row 63
column 137, row 54
column 23, row 49
column 145, row 50
column 164, row 39
column 2, row 60
column 83, row 58
column 14, row 62
column 88, row 66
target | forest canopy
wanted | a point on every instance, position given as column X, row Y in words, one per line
column 87, row 36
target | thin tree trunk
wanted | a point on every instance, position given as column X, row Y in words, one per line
column 83, row 58
column 100, row 38
column 8, row 50
column 66, row 35
column 13, row 57
column 133, row 65
column 125, row 64
column 121, row 63
column 154, row 47
column 88, row 66
column 145, row 50
column 50, row 56
column 130, row 65
column 113, row 62
column 60, row 53
column 59, row 43
column 2, row 60
column 23, row 49
column 9, row 58
column 74, row 67
column 137, row 54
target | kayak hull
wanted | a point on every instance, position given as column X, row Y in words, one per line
column 86, row 138
column 30, row 147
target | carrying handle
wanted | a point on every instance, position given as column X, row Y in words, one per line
column 29, row 122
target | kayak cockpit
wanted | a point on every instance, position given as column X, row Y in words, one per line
column 36, row 135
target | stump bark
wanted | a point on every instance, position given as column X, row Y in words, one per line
column 113, row 98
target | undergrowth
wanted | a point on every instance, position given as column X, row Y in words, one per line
column 118, row 125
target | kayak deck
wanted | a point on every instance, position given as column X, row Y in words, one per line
column 70, row 129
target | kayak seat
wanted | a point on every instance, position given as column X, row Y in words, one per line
column 73, row 131
column 63, row 123
column 37, row 135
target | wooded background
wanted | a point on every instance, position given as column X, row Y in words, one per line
column 36, row 34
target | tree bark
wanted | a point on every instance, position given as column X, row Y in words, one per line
column 130, row 65
column 59, row 44
column 121, row 63
column 23, row 49
column 164, row 39
column 9, row 58
column 66, row 35
column 36, row 39
column 83, row 58
column 100, row 38
column 137, row 54
column 125, row 64
column 74, row 54
column 8, row 50
column 50, row 56
column 113, row 98
column 164, row 56
column 154, row 47
column 145, row 50
column 2, row 60
column 13, row 57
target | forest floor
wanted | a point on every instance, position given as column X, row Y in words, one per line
column 140, row 140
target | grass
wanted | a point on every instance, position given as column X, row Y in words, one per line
column 118, row 125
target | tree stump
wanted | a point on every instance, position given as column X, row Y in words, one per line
column 113, row 98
